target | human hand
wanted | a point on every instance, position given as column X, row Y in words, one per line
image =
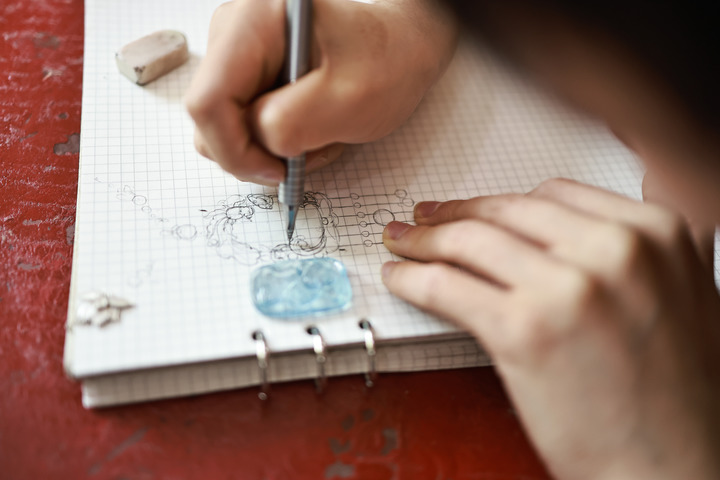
column 373, row 62
column 600, row 316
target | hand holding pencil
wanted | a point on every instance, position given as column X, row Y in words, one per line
column 371, row 65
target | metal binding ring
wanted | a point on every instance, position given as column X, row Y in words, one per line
column 371, row 373
column 320, row 357
column 263, row 354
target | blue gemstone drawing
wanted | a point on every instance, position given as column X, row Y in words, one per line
column 302, row 287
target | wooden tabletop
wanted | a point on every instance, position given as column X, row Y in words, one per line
column 436, row 425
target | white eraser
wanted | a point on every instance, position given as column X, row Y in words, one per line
column 152, row 56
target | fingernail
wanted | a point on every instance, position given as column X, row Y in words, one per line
column 394, row 230
column 425, row 209
column 387, row 268
column 262, row 181
column 317, row 162
column 270, row 178
column 273, row 176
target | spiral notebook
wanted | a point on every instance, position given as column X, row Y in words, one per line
column 172, row 239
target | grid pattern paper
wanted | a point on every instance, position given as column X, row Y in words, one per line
column 169, row 231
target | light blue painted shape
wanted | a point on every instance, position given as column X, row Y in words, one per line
column 296, row 288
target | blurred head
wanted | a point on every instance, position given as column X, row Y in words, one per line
column 651, row 71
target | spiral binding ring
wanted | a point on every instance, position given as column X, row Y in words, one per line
column 263, row 355
column 371, row 373
column 320, row 357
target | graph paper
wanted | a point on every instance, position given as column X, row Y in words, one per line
column 168, row 230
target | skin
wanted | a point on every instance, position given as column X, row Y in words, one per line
column 600, row 312
column 375, row 60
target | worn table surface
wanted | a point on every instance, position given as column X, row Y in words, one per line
column 441, row 425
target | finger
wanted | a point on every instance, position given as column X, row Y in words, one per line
column 435, row 213
column 309, row 114
column 229, row 144
column 565, row 211
column 479, row 247
column 325, row 156
column 447, row 292
column 585, row 199
column 646, row 223
column 652, row 191
column 647, row 218
column 201, row 145
column 246, row 50
column 244, row 57
column 538, row 220
column 574, row 237
column 348, row 99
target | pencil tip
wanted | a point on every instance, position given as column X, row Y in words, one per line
column 291, row 216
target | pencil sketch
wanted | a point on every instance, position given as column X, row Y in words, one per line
column 127, row 193
column 234, row 209
column 249, row 230
column 373, row 212
column 141, row 275
column 186, row 231
column 317, row 234
column 241, row 228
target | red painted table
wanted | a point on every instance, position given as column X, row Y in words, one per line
column 440, row 425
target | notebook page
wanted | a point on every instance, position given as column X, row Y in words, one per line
column 169, row 231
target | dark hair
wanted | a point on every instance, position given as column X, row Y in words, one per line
column 679, row 41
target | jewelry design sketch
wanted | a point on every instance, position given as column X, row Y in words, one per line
column 239, row 226
column 126, row 193
column 373, row 212
column 228, row 229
